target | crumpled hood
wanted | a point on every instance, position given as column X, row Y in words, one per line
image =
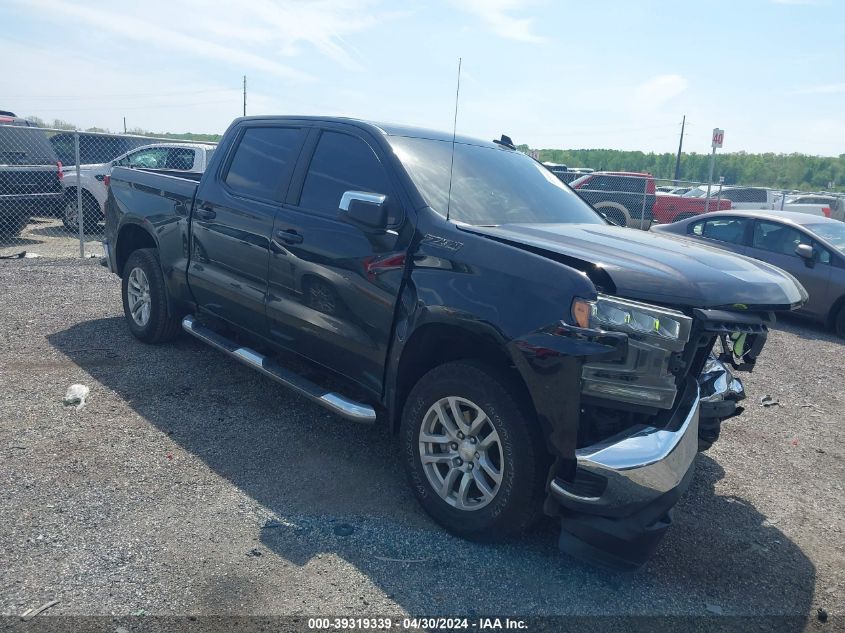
column 653, row 267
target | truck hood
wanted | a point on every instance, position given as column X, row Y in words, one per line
column 658, row 268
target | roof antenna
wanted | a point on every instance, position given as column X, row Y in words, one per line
column 454, row 132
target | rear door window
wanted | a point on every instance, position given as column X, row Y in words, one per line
column 730, row 230
column 263, row 160
column 628, row 184
column 148, row 158
column 342, row 163
column 23, row 145
column 181, row 158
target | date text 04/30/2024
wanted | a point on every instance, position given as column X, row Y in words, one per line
column 441, row 623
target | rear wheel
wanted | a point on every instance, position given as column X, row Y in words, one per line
column 474, row 457
column 145, row 303
column 90, row 213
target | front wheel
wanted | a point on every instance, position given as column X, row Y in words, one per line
column 474, row 457
column 145, row 303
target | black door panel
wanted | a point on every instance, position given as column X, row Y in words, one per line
column 330, row 298
column 233, row 221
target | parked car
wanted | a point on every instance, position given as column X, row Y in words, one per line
column 812, row 249
column 671, row 208
column 625, row 198
column 740, row 197
column 530, row 356
column 168, row 156
column 632, row 199
column 567, row 174
column 828, row 206
column 30, row 174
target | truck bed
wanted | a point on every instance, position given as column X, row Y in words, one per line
column 153, row 193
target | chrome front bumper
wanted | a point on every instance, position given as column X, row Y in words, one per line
column 632, row 468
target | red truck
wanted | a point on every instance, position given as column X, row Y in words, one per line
column 671, row 208
column 631, row 199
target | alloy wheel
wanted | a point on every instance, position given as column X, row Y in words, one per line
column 138, row 293
column 461, row 453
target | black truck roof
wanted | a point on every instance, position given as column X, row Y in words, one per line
column 386, row 129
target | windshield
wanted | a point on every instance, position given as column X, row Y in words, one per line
column 834, row 233
column 490, row 186
column 696, row 192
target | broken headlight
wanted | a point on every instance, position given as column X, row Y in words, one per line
column 632, row 317
column 654, row 334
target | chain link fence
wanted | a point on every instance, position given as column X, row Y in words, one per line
column 48, row 175
column 638, row 200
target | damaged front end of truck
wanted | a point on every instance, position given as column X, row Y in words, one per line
column 650, row 387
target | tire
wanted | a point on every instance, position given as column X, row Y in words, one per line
column 519, row 457
column 615, row 212
column 143, row 288
column 683, row 216
column 839, row 322
column 91, row 213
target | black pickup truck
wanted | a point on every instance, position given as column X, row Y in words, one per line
column 531, row 357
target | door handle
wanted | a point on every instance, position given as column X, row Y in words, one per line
column 289, row 236
column 205, row 213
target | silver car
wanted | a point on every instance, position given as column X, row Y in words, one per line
column 809, row 247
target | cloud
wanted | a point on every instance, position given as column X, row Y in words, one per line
column 227, row 33
column 654, row 93
column 497, row 17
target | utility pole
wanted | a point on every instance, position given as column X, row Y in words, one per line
column 124, row 125
column 244, row 95
column 680, row 147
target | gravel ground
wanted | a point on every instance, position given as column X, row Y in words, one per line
column 189, row 484
column 47, row 237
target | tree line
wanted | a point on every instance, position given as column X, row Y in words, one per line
column 782, row 171
column 59, row 124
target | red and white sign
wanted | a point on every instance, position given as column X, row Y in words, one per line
column 718, row 137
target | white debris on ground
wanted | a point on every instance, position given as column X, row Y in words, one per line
column 76, row 394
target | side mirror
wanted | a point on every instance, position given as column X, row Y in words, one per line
column 807, row 253
column 367, row 209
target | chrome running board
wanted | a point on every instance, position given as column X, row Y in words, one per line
column 334, row 402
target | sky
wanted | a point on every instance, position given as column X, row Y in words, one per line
column 570, row 74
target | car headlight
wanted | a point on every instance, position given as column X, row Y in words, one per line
column 632, row 317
